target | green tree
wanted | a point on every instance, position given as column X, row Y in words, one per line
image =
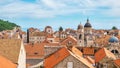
column 6, row 25
column 114, row 28
column 60, row 29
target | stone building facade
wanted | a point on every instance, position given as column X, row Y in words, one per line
column 70, row 62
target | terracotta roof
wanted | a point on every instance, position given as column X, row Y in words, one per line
column 102, row 53
column 55, row 58
column 35, row 50
column 52, row 44
column 31, row 29
column 69, row 38
column 87, row 60
column 117, row 62
column 76, row 51
column 5, row 63
column 45, row 41
column 61, row 54
column 88, row 51
column 83, row 60
column 38, row 34
column 50, row 36
column 103, row 40
column 24, row 33
column 57, row 39
column 10, row 48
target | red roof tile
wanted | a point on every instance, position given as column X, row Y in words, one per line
column 37, row 50
column 50, row 36
column 55, row 58
column 88, row 51
column 5, row 63
column 34, row 50
column 71, row 39
column 102, row 53
column 117, row 62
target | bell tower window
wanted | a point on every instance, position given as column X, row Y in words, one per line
column 80, row 36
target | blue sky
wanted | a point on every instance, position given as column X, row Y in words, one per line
column 103, row 14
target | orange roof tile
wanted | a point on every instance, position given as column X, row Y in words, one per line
column 37, row 50
column 45, row 41
column 34, row 50
column 50, row 36
column 38, row 34
column 117, row 62
column 103, row 40
column 57, row 39
column 88, row 51
column 99, row 55
column 5, row 63
column 83, row 60
column 55, row 58
column 69, row 38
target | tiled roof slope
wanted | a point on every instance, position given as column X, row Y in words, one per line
column 35, row 50
column 10, row 48
column 78, row 56
column 61, row 54
column 117, row 62
column 102, row 53
column 76, row 51
column 88, row 51
column 71, row 39
column 54, row 59
column 5, row 63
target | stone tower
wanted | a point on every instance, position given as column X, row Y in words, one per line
column 88, row 34
column 80, row 35
column 88, row 27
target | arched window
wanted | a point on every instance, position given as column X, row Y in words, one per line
column 80, row 36
column 115, row 51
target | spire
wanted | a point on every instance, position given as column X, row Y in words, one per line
column 87, row 20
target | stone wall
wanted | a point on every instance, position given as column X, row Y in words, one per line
column 51, row 49
column 76, row 63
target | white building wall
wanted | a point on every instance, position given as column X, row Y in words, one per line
column 22, row 57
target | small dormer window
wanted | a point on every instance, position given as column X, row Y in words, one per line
column 35, row 53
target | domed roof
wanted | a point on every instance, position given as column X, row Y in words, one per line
column 80, row 26
column 87, row 24
column 48, row 27
column 113, row 39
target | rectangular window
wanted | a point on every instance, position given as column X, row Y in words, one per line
column 70, row 65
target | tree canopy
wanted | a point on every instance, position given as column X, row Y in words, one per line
column 60, row 28
column 6, row 25
column 114, row 28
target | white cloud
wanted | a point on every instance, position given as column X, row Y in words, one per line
column 52, row 8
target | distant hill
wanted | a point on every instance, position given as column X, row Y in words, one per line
column 6, row 25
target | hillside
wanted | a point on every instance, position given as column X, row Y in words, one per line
column 6, row 25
